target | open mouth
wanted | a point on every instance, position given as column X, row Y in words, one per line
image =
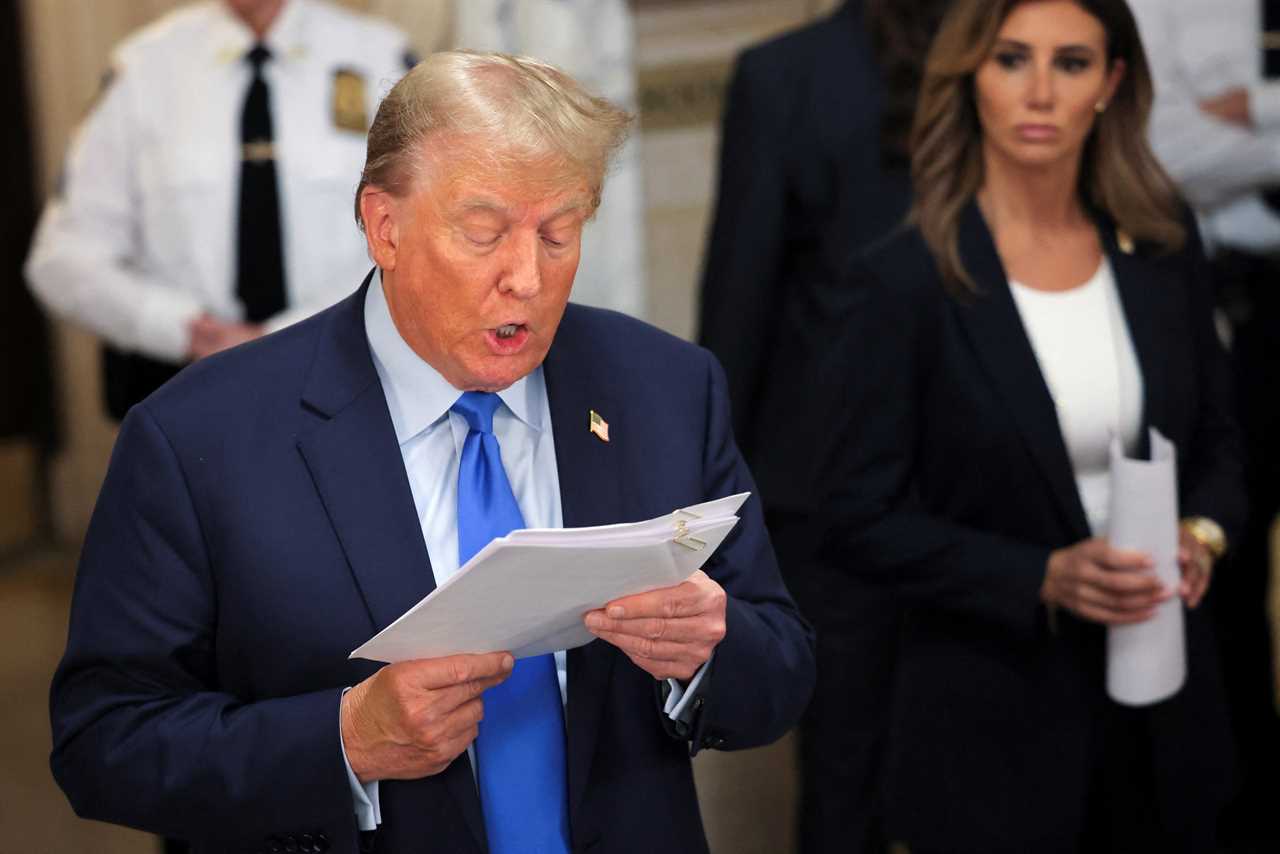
column 508, row 339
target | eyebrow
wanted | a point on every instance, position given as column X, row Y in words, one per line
column 1062, row 48
column 484, row 205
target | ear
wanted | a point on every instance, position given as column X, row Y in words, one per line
column 380, row 212
column 1118, row 70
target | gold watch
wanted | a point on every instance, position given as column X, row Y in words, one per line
column 1207, row 533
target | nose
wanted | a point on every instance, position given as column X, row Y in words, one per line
column 522, row 274
column 1040, row 95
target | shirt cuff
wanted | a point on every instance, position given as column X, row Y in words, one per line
column 1264, row 106
column 164, row 324
column 363, row 795
column 678, row 699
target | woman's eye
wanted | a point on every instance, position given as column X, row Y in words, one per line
column 1073, row 64
column 552, row 242
column 1010, row 59
column 482, row 238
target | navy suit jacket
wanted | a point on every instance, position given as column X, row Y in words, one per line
column 950, row 483
column 256, row 524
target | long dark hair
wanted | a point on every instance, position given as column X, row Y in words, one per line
column 901, row 31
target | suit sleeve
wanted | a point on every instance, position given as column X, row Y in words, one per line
column 762, row 674
column 741, row 279
column 1213, row 467
column 873, row 522
column 142, row 733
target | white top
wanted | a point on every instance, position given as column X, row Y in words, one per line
column 141, row 237
column 1082, row 344
column 1199, row 49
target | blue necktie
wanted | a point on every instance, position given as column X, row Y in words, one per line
column 520, row 753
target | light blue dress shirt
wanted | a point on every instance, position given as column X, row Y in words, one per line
column 431, row 439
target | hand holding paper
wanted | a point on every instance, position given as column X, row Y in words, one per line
column 412, row 719
column 529, row 591
column 670, row 632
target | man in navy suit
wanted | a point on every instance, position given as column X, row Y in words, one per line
column 274, row 506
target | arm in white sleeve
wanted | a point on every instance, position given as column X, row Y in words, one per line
column 84, row 260
column 1212, row 161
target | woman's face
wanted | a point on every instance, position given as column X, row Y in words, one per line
column 1038, row 90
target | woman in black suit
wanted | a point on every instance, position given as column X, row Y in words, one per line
column 1049, row 295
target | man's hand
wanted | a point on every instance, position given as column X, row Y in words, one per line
column 1196, row 563
column 209, row 335
column 668, row 633
column 411, row 719
column 1103, row 584
column 1231, row 107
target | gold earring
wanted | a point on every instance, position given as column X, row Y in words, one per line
column 1100, row 107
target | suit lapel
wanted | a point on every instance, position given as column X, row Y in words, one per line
column 1139, row 296
column 994, row 327
column 590, row 494
column 355, row 463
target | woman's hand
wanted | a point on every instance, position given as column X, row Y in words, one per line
column 1196, row 562
column 1103, row 584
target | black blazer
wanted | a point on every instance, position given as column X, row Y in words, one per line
column 951, row 483
column 801, row 186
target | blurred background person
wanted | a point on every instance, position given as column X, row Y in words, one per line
column 1050, row 296
column 813, row 166
column 206, row 197
column 1216, row 127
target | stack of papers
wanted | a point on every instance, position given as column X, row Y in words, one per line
column 527, row 592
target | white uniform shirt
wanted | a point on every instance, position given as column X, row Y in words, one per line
column 1086, row 355
column 141, row 238
column 1199, row 49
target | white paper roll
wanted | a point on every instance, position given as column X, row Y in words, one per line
column 1147, row 662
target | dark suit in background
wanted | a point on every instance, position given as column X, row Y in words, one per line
column 257, row 524
column 951, row 484
column 804, row 183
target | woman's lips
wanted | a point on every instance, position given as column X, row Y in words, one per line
column 508, row 339
column 1038, row 133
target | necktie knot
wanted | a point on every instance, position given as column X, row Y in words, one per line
column 478, row 408
column 258, row 55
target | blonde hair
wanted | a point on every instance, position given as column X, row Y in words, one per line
column 514, row 109
column 1119, row 174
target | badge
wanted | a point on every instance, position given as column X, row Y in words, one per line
column 349, row 111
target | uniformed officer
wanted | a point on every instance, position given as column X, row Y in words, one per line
column 206, row 197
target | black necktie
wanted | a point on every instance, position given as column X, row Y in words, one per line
column 1270, row 39
column 259, row 252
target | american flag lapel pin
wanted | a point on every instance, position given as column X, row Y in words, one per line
column 597, row 425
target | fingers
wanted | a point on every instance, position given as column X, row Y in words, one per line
column 683, row 600
column 435, row 673
column 664, row 651
column 654, row 628
column 1119, row 560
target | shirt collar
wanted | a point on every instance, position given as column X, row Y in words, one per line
column 231, row 39
column 417, row 394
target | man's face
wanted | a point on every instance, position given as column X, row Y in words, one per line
column 482, row 268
